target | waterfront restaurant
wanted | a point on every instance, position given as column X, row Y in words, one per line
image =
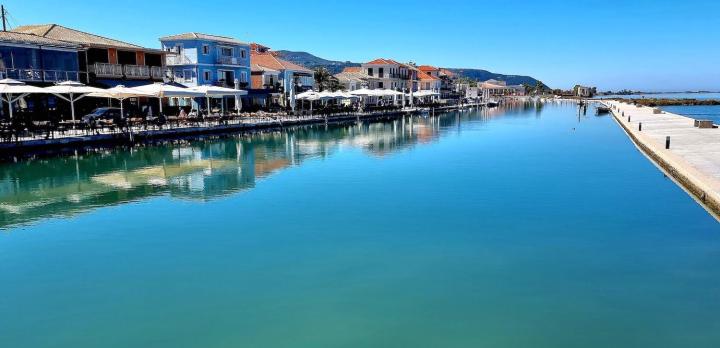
column 37, row 61
column 105, row 62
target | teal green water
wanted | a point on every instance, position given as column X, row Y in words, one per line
column 522, row 227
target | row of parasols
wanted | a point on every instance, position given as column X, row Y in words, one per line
column 363, row 92
column 12, row 90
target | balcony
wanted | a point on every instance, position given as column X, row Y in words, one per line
column 137, row 72
column 224, row 60
column 107, row 70
column 157, row 73
column 184, row 57
column 37, row 75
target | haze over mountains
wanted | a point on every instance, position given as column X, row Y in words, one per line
column 311, row 61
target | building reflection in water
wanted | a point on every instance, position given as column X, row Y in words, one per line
column 202, row 169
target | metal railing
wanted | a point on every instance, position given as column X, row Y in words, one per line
column 157, row 72
column 39, row 75
column 136, row 71
column 107, row 70
column 227, row 60
column 181, row 59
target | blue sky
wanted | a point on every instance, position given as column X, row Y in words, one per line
column 648, row 45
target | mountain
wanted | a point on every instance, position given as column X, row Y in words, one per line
column 484, row 75
column 310, row 61
column 334, row 66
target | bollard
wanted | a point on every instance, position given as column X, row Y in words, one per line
column 629, row 118
column 667, row 142
column 640, row 127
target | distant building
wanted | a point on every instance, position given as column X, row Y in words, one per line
column 392, row 74
column 584, row 92
column 354, row 78
column 103, row 61
column 36, row 59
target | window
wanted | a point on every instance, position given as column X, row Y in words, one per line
column 243, row 76
column 380, row 85
column 226, row 51
column 242, row 53
column 187, row 75
column 207, row 75
column 370, row 72
column 381, row 71
column 206, row 49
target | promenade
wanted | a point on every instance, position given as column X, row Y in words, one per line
column 693, row 156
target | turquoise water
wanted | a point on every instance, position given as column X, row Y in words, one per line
column 700, row 112
column 525, row 227
column 703, row 96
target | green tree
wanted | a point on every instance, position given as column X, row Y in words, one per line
column 326, row 81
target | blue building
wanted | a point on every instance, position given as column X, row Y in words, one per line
column 38, row 60
column 196, row 59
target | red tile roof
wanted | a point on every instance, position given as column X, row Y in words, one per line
column 268, row 60
column 427, row 68
column 423, row 76
column 352, row 69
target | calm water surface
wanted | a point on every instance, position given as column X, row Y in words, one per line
column 709, row 95
column 700, row 112
column 525, row 227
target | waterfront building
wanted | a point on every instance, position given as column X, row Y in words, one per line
column 354, row 78
column 495, row 88
column 447, row 80
column 292, row 78
column 103, row 61
column 429, row 82
column 198, row 59
column 264, row 86
column 391, row 74
column 36, row 59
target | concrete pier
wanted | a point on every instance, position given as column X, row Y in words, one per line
column 691, row 155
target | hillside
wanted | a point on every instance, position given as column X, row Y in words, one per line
column 310, row 61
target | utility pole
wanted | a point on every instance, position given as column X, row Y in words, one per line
column 2, row 10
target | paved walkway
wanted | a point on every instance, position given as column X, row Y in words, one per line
column 694, row 154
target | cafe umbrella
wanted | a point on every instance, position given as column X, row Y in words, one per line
column 12, row 90
column 74, row 91
column 216, row 91
column 165, row 90
column 120, row 93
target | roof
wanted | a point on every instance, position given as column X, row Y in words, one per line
column 23, row 38
column 201, row 36
column 423, row 76
column 269, row 60
column 352, row 69
column 355, row 76
column 58, row 32
column 259, row 68
column 384, row 61
column 447, row 72
column 427, row 68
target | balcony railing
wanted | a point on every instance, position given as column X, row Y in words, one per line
column 183, row 58
column 227, row 60
column 157, row 72
column 136, row 71
column 39, row 75
column 107, row 70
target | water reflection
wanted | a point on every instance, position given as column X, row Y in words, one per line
column 203, row 169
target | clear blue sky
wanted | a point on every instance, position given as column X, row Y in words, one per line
column 648, row 45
